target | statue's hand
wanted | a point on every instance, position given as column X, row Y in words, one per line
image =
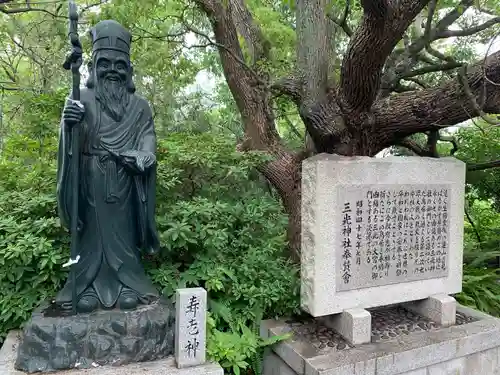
column 139, row 161
column 145, row 160
column 73, row 113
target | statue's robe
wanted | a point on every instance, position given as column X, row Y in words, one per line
column 116, row 207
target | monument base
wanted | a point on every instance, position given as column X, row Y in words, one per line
column 402, row 343
column 113, row 337
column 165, row 366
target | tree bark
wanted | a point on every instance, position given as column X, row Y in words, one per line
column 381, row 28
column 285, row 175
column 253, row 101
column 353, row 118
column 258, row 46
column 312, row 48
column 418, row 111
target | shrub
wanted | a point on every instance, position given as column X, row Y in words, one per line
column 218, row 226
column 480, row 288
column 32, row 246
column 222, row 230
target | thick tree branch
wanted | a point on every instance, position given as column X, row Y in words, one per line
column 430, row 149
column 414, row 147
column 483, row 166
column 318, row 105
column 290, row 86
column 467, row 32
column 381, row 28
column 312, row 48
column 401, row 115
column 375, row 8
column 430, row 35
column 343, row 22
column 250, row 94
column 430, row 15
column 451, row 139
column 402, row 61
column 429, row 69
column 238, row 57
column 417, row 81
column 462, row 78
column 258, row 46
column 432, row 142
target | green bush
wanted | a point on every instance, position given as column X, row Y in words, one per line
column 32, row 245
column 481, row 287
column 219, row 229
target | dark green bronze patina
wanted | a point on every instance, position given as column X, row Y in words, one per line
column 117, row 178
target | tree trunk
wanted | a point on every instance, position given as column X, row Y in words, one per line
column 293, row 209
column 354, row 115
column 285, row 175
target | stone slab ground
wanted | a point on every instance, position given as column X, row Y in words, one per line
column 471, row 347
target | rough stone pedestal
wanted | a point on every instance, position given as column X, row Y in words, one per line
column 101, row 338
column 165, row 366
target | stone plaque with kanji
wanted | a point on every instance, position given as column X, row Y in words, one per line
column 391, row 234
column 191, row 318
column 379, row 231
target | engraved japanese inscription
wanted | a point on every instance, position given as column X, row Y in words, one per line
column 193, row 341
column 391, row 234
column 191, row 311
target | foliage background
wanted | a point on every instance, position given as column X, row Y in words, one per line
column 221, row 225
column 228, row 240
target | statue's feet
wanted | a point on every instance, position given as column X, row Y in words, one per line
column 128, row 300
column 88, row 302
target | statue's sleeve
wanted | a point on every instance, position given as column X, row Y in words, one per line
column 147, row 136
column 146, row 186
column 64, row 190
column 64, row 187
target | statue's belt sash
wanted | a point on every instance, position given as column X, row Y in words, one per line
column 109, row 161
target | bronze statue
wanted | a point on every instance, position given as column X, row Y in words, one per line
column 116, row 175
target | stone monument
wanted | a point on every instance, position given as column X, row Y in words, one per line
column 190, row 328
column 109, row 312
column 378, row 231
column 382, row 244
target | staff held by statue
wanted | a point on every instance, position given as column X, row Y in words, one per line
column 73, row 62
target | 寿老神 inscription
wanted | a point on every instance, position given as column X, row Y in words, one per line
column 392, row 234
column 191, row 311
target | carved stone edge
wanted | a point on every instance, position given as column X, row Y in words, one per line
column 308, row 235
column 428, row 348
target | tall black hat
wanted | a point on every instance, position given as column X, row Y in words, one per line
column 110, row 35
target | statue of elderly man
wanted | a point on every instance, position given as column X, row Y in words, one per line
column 117, row 178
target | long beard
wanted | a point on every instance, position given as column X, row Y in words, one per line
column 113, row 96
